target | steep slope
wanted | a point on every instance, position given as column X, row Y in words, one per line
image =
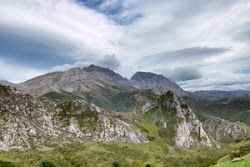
column 222, row 130
column 28, row 121
column 176, row 121
column 158, row 83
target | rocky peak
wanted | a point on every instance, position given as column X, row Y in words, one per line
column 145, row 76
column 147, row 80
column 106, row 71
column 177, row 122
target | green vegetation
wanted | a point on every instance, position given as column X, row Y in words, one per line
column 244, row 163
column 235, row 109
column 109, row 99
column 62, row 96
column 6, row 164
column 157, row 153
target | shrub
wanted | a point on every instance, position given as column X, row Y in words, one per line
column 6, row 164
column 48, row 164
column 116, row 164
column 243, row 150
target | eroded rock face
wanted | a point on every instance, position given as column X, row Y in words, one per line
column 27, row 121
column 177, row 121
column 223, row 130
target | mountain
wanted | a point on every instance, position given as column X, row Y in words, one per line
column 29, row 120
column 93, row 84
column 158, row 83
column 76, row 133
column 222, row 130
column 100, row 86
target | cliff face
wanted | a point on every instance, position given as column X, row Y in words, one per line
column 222, row 130
column 28, row 121
column 177, row 122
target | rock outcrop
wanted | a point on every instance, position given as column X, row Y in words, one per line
column 223, row 130
column 27, row 121
column 177, row 123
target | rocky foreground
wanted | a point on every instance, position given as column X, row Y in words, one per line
column 27, row 121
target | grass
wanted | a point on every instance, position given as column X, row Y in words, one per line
column 62, row 96
column 245, row 163
column 88, row 153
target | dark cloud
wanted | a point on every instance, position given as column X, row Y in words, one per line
column 186, row 54
column 109, row 61
column 35, row 48
column 184, row 74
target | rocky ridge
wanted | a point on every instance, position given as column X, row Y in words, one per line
column 177, row 122
column 28, row 121
column 157, row 83
column 223, row 130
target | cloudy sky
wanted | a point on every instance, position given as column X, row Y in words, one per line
column 199, row 44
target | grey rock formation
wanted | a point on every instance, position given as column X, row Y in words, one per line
column 116, row 77
column 29, row 120
column 223, row 130
column 158, row 83
column 177, row 121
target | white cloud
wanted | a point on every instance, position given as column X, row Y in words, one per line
column 17, row 74
column 165, row 26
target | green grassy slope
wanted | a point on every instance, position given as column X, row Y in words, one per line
column 245, row 163
column 62, row 96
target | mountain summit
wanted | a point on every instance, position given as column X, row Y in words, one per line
column 106, row 71
column 158, row 83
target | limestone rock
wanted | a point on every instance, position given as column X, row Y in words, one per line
column 178, row 123
column 223, row 130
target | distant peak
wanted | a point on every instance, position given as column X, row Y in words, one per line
column 106, row 71
column 93, row 67
column 142, row 75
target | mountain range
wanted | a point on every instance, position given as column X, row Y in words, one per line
column 110, row 91
column 82, row 107
column 100, row 86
